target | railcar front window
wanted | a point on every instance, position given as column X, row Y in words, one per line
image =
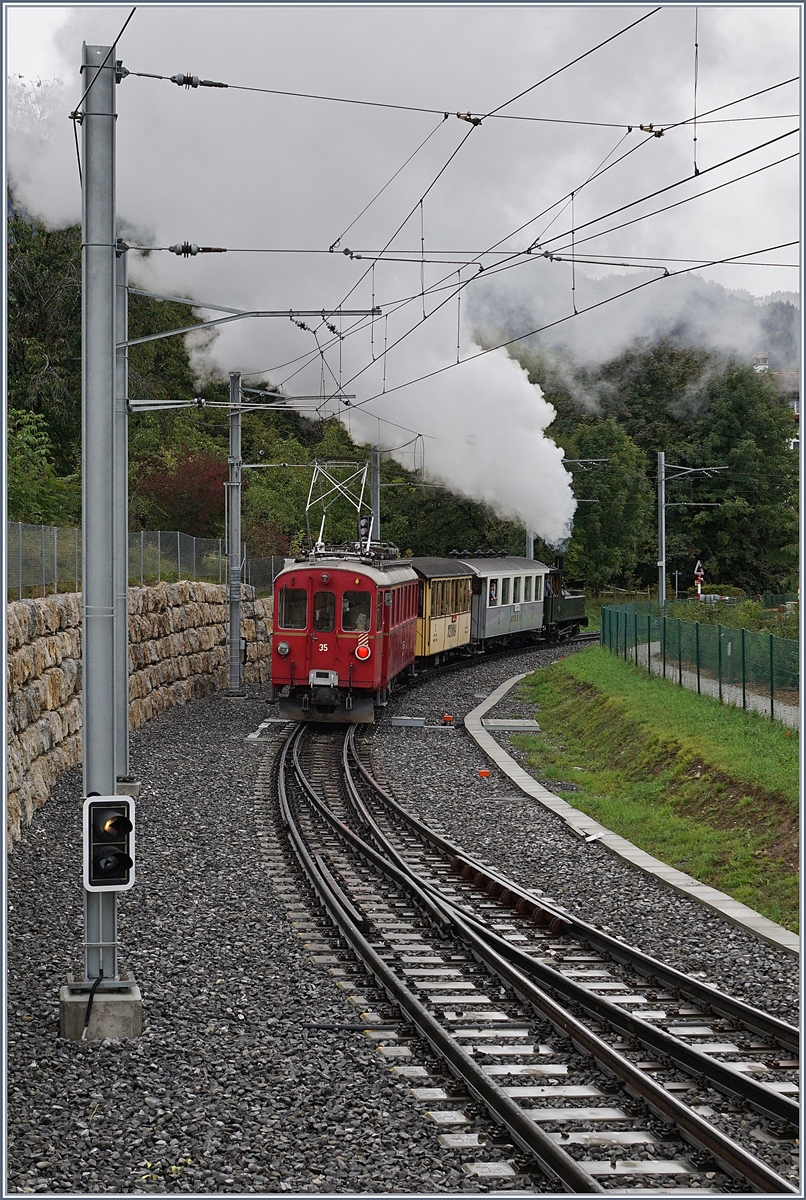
column 356, row 610
column 324, row 612
column 293, row 607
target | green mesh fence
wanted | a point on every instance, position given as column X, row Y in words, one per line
column 755, row 670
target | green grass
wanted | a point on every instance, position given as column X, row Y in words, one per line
column 703, row 787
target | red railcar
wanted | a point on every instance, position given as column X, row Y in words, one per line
column 344, row 630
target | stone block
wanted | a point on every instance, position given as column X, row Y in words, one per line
column 114, row 1014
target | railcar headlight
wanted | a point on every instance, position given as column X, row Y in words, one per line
column 362, row 653
column 283, row 648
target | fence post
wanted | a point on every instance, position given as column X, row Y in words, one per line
column 55, row 559
column 697, row 652
column 75, row 531
column 719, row 659
column 19, row 548
column 679, row 653
column 178, row 558
column 142, row 549
column 744, row 679
column 648, row 644
column 159, row 556
column 194, row 560
column 635, row 623
column 42, row 527
column 772, row 678
column 663, row 644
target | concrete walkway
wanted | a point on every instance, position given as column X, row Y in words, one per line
column 787, row 714
column 586, row 827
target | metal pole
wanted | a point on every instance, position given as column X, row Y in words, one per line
column 121, row 532
column 744, row 678
column 142, row 553
column 194, row 560
column 219, row 560
column 648, row 643
column 772, row 678
column 679, row 652
column 661, row 528
column 55, row 559
column 75, row 532
column 234, row 536
column 697, row 649
column 719, row 659
column 663, row 636
column 178, row 557
column 159, row 556
column 19, row 549
column 42, row 528
column 375, row 490
column 98, row 445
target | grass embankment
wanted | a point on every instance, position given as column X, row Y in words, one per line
column 703, row 787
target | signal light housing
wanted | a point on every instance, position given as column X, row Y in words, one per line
column 108, row 843
column 362, row 653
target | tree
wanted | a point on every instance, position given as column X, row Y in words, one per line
column 185, row 492
column 609, row 536
column 35, row 493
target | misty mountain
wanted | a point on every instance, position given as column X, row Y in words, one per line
column 687, row 310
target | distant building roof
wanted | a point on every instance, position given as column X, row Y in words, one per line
column 788, row 381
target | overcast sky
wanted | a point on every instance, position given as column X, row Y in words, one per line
column 255, row 171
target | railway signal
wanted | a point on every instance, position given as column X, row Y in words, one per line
column 108, row 843
column 364, row 527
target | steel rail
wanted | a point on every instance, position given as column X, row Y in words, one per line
column 525, row 1132
column 733, row 1158
column 724, row 1076
column 729, row 1006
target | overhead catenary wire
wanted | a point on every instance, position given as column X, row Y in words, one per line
column 501, row 267
column 696, row 76
column 570, row 316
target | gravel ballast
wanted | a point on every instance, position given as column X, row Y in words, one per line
column 435, row 773
column 225, row 1091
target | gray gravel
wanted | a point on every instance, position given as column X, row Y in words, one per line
column 436, row 773
column 225, row 1091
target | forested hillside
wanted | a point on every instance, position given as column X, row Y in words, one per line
column 700, row 409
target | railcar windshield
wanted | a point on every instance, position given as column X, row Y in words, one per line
column 356, row 610
column 324, row 612
column 293, row 608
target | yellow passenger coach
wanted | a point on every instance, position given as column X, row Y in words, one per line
column 443, row 610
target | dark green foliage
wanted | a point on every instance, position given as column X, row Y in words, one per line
column 701, row 411
column 44, row 331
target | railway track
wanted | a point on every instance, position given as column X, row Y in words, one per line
column 590, row 1064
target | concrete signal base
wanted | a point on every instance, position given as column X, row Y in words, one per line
column 116, row 1014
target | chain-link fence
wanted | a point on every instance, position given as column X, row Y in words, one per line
column 753, row 670
column 42, row 559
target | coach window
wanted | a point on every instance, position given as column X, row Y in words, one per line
column 516, row 590
column 538, row 587
column 527, row 589
column 356, row 609
column 493, row 600
column 324, row 612
column 293, row 608
column 505, row 584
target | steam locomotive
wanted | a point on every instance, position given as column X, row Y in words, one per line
column 353, row 621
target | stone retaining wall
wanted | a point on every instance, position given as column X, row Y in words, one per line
column 177, row 652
